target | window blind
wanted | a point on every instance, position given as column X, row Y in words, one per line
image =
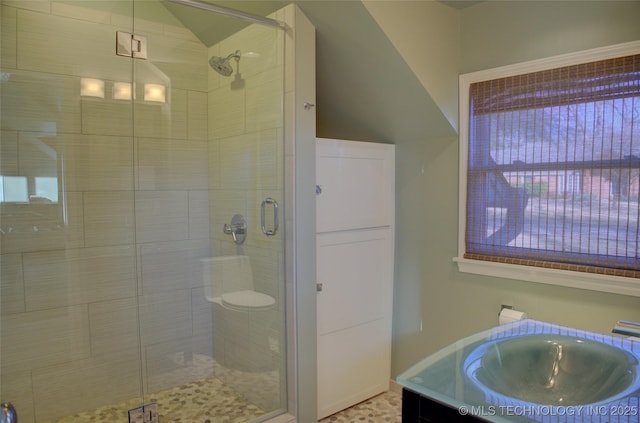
column 554, row 168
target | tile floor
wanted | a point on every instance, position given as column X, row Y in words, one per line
column 386, row 407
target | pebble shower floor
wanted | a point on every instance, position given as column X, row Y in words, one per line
column 217, row 403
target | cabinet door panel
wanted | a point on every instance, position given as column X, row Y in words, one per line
column 356, row 180
column 355, row 270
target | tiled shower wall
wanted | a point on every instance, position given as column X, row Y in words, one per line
column 133, row 220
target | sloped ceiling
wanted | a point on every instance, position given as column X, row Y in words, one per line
column 364, row 88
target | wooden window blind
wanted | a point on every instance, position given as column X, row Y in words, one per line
column 554, row 168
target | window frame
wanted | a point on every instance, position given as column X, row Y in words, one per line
column 565, row 278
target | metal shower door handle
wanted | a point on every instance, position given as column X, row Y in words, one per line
column 270, row 201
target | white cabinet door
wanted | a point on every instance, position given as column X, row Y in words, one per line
column 354, row 319
column 355, row 269
column 357, row 183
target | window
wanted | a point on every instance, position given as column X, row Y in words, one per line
column 550, row 165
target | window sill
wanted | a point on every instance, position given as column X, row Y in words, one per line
column 566, row 278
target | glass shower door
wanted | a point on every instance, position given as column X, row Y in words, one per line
column 69, row 274
column 208, row 132
column 123, row 155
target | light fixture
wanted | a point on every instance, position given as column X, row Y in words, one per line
column 90, row 87
column 123, row 91
column 154, row 92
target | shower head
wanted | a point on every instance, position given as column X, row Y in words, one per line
column 222, row 65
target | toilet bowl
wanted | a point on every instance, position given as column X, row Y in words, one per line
column 247, row 300
column 242, row 316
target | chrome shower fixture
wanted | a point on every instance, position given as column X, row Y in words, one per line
column 222, row 65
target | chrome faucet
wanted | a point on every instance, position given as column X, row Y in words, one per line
column 237, row 229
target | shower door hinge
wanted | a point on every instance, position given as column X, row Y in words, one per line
column 131, row 45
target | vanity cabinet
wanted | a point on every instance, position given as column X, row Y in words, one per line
column 355, row 248
column 417, row 408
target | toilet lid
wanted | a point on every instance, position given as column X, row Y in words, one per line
column 248, row 300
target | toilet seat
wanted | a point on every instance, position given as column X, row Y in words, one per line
column 247, row 301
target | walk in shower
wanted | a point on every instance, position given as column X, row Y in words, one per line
column 124, row 158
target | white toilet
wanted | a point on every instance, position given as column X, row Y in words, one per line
column 242, row 316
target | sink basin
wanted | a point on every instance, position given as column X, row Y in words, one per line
column 555, row 370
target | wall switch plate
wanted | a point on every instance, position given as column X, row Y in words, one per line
column 147, row 413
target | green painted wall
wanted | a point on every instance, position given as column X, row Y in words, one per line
column 428, row 286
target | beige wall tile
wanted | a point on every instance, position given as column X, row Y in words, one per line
column 175, row 61
column 107, row 117
column 108, row 218
column 162, row 216
column 214, row 164
column 11, row 284
column 265, row 101
column 42, row 338
column 170, row 266
column 65, row 277
column 97, row 163
column 37, row 5
column 37, row 156
column 159, row 120
column 147, row 27
column 198, row 214
column 8, row 52
column 124, row 21
column 197, row 115
column 39, row 227
column 250, row 160
column 86, row 384
column 114, row 326
column 41, row 102
column 81, row 10
column 67, row 46
column 165, row 316
column 9, row 153
column 226, row 112
column 166, row 164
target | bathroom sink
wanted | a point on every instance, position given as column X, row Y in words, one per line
column 555, row 370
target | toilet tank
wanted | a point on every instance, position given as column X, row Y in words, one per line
column 224, row 274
